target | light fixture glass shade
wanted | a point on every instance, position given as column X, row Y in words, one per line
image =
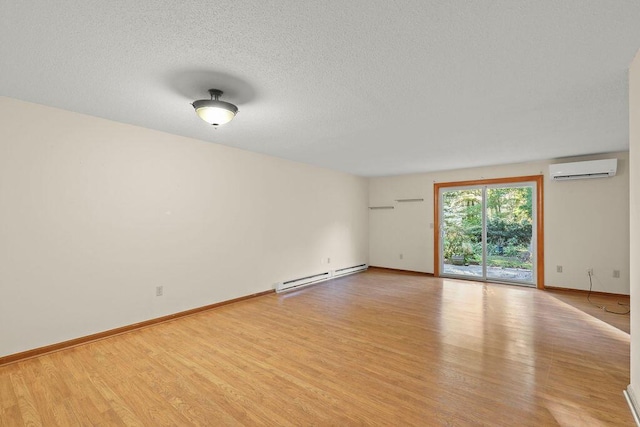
column 214, row 111
column 215, row 114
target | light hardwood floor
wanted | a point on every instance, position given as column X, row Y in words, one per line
column 376, row 348
column 612, row 303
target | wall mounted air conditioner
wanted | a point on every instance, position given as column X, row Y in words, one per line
column 583, row 170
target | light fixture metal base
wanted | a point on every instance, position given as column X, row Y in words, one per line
column 215, row 93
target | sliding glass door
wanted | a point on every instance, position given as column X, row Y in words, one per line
column 462, row 238
column 487, row 232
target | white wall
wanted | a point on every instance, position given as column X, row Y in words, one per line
column 586, row 222
column 634, row 154
column 95, row 214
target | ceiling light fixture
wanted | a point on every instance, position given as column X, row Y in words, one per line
column 214, row 111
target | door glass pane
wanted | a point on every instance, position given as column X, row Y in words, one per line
column 462, row 232
column 509, row 216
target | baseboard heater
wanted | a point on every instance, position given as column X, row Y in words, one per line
column 350, row 270
column 290, row 285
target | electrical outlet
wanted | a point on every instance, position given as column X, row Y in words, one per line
column 401, row 256
column 558, row 268
column 159, row 291
column 328, row 260
column 590, row 271
column 616, row 274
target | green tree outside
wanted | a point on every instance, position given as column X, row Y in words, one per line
column 509, row 226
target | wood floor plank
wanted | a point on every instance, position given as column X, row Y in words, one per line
column 8, row 397
column 119, row 406
column 376, row 348
column 29, row 414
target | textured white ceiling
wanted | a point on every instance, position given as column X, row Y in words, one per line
column 376, row 87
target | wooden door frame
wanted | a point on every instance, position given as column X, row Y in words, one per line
column 538, row 179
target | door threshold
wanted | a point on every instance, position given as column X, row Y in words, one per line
column 487, row 280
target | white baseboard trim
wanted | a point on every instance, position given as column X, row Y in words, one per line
column 628, row 394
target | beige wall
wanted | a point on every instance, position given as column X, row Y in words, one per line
column 95, row 214
column 586, row 222
column 634, row 154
